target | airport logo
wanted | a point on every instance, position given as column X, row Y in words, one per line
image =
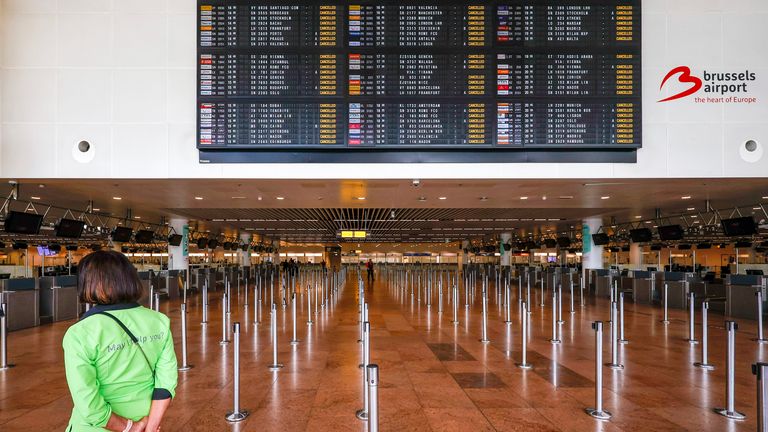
column 709, row 87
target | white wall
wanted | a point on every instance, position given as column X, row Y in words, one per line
column 121, row 74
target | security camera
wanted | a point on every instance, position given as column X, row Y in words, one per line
column 416, row 183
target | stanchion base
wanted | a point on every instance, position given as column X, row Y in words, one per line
column 734, row 415
column 760, row 341
column 615, row 366
column 524, row 365
column 276, row 367
column 234, row 417
column 485, row 341
column 623, row 341
column 664, row 321
column 294, row 342
column 185, row 368
column 8, row 366
column 555, row 341
column 692, row 341
column 600, row 415
column 361, row 414
column 705, row 366
column 224, row 342
column 560, row 321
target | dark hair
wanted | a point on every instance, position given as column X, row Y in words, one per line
column 107, row 277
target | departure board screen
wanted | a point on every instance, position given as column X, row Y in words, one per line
column 419, row 76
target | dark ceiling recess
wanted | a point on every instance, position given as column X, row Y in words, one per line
column 387, row 224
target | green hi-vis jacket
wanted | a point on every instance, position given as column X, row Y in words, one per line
column 106, row 371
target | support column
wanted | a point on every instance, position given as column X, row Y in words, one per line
column 506, row 257
column 245, row 256
column 592, row 256
column 464, row 255
column 636, row 256
column 178, row 256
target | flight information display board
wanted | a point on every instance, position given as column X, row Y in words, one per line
column 293, row 76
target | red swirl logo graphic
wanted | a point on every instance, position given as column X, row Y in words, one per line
column 685, row 78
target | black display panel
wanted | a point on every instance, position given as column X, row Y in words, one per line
column 415, row 81
column 743, row 226
column 23, row 223
column 641, row 235
column 70, row 228
column 671, row 232
column 122, row 234
column 144, row 236
column 175, row 240
column 600, row 239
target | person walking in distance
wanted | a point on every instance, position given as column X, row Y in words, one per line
column 369, row 266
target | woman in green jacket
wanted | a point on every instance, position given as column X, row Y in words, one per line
column 119, row 358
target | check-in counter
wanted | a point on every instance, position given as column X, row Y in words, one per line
column 677, row 289
column 22, row 298
column 644, row 287
column 58, row 298
column 568, row 276
column 149, row 280
column 626, row 285
column 552, row 277
column 741, row 295
column 174, row 282
column 604, row 282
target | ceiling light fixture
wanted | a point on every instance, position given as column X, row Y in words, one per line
column 96, row 209
column 691, row 208
column 686, row 197
column 199, row 198
column 280, row 198
column 524, row 198
column 443, row 198
column 117, row 198
column 361, row 198
column 35, row 197
column 483, row 198
column 605, row 197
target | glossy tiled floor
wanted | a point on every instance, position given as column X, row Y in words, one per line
column 434, row 375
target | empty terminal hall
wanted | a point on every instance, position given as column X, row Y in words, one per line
column 384, row 215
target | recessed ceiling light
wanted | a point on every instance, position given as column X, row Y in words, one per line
column 566, row 197
column 238, row 197
column 755, row 208
column 199, row 198
column 691, row 208
column 686, row 197
column 544, row 198
column 117, row 198
column 35, row 197
column 638, row 217
column 765, row 197
column 137, row 217
column 280, row 198
column 96, row 209
column 605, row 197
column 523, row 198
column 361, row 198
column 443, row 198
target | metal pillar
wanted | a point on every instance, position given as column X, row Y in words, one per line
column 237, row 414
column 598, row 412
column 730, row 364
